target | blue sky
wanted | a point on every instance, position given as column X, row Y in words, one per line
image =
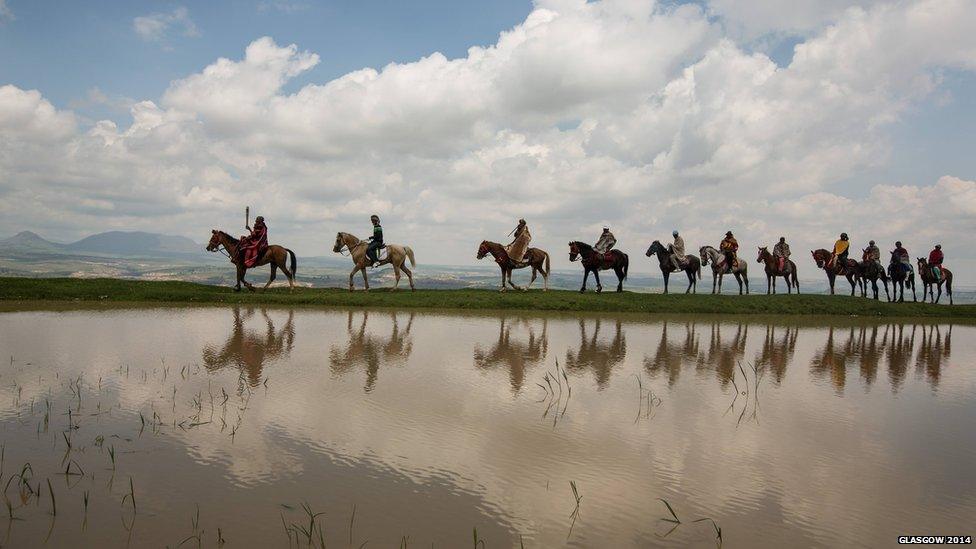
column 648, row 116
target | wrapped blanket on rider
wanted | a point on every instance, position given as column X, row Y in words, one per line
column 252, row 247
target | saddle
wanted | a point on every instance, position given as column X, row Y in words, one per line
column 608, row 257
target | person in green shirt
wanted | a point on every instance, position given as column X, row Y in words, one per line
column 375, row 241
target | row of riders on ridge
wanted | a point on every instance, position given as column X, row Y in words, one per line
column 253, row 250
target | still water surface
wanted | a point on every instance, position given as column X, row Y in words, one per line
column 783, row 431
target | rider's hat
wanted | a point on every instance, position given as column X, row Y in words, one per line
column 871, row 243
column 728, row 233
column 843, row 235
column 898, row 243
column 938, row 246
column 259, row 218
column 374, row 216
column 782, row 238
column 674, row 232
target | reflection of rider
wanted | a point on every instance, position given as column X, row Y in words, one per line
column 520, row 244
column 606, row 241
column 729, row 247
column 375, row 241
column 781, row 251
column 935, row 262
column 841, row 247
column 677, row 251
column 253, row 246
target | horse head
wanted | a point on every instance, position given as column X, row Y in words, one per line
column 338, row 243
column 483, row 249
column 574, row 251
column 654, row 248
column 214, row 243
column 819, row 258
column 704, row 255
column 763, row 254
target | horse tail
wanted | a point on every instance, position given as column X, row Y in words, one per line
column 409, row 251
column 294, row 263
column 626, row 265
column 547, row 263
column 699, row 269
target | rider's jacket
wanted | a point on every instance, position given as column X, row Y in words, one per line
column 377, row 235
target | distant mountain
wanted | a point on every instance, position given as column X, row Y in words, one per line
column 136, row 244
column 28, row 242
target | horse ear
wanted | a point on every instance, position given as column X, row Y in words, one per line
column 214, row 231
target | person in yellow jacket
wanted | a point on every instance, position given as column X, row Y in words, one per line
column 841, row 247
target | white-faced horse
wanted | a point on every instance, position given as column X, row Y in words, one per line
column 719, row 268
column 396, row 255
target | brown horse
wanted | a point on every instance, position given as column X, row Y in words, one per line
column 692, row 266
column 772, row 271
column 276, row 255
column 534, row 257
column 901, row 275
column 928, row 280
column 849, row 271
column 593, row 261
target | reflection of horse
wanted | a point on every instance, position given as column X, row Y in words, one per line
column 899, row 352
column 772, row 271
column 849, row 271
column 934, row 352
column 691, row 267
column 670, row 357
column 725, row 356
column 368, row 350
column 928, row 280
column 777, row 352
column 901, row 275
column 396, row 255
column 832, row 359
column 514, row 354
column 720, row 269
column 276, row 255
column 861, row 346
column 595, row 355
column 534, row 257
column 594, row 262
column 249, row 351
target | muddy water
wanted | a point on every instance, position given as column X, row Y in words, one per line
column 419, row 428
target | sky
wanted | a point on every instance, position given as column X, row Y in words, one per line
column 451, row 120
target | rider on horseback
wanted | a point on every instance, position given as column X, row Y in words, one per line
column 375, row 241
column 900, row 258
column 841, row 247
column 606, row 242
column 873, row 254
column 520, row 244
column 781, row 251
column 935, row 262
column 253, row 246
column 677, row 251
column 729, row 247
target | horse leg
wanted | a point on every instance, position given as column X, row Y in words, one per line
column 714, row 280
column 586, row 274
column 274, row 271
column 721, row 277
column 666, row 275
column 738, row 279
column 237, row 287
column 830, row 279
column 503, row 279
column 691, row 280
column 745, row 279
column 247, row 284
column 596, row 276
column 365, row 279
column 396, row 276
column 512, row 284
column 352, row 274
column 409, row 275
column 620, row 278
column 939, row 286
column 531, row 280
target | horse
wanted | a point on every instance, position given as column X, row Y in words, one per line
column 276, row 255
column 691, row 267
column 870, row 270
column 901, row 275
column 719, row 270
column 594, row 261
column 773, row 271
column 928, row 280
column 396, row 255
column 534, row 257
column 822, row 258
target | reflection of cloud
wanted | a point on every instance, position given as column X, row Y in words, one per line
column 250, row 351
column 369, row 350
column 512, row 353
column 596, row 355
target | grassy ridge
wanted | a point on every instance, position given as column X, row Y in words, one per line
column 131, row 291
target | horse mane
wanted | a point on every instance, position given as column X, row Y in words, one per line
column 231, row 238
column 583, row 245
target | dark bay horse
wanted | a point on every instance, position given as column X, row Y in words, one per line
column 692, row 266
column 870, row 270
column 276, row 255
column 849, row 271
column 593, row 261
column 772, row 271
column 901, row 275
column 534, row 257
column 928, row 280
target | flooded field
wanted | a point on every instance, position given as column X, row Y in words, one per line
column 278, row 427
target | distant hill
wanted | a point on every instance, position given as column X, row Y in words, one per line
column 28, row 242
column 136, row 244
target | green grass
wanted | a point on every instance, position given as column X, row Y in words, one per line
column 106, row 290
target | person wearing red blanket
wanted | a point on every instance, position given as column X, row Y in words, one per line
column 935, row 261
column 253, row 246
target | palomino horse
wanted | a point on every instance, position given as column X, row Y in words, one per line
column 691, row 267
column 276, row 255
column 901, row 275
column 928, row 280
column 396, row 255
column 822, row 258
column 719, row 270
column 534, row 257
column 772, row 271
column 870, row 270
column 593, row 261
